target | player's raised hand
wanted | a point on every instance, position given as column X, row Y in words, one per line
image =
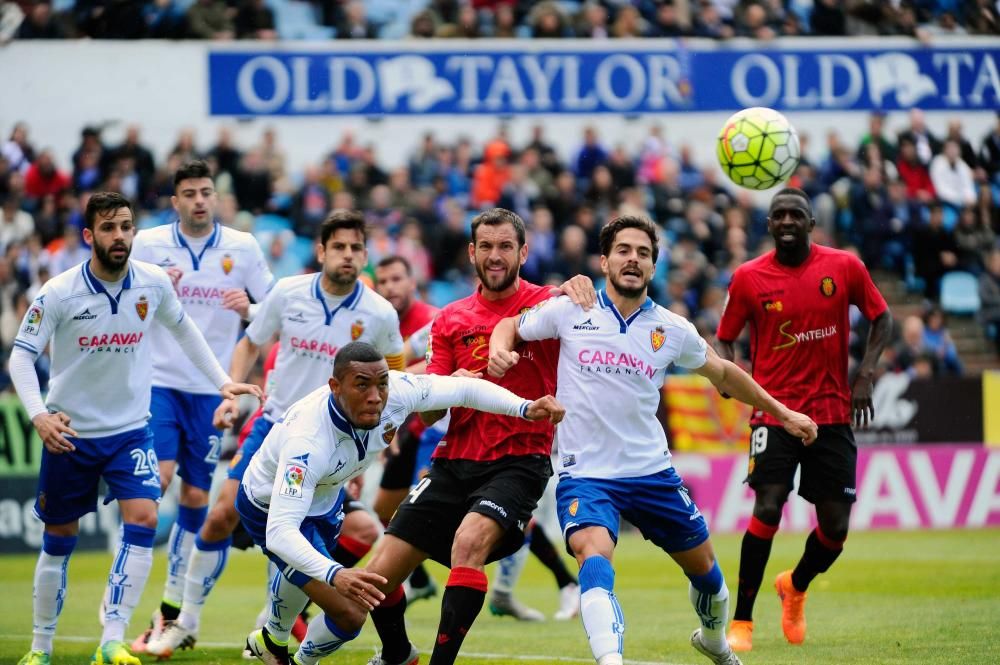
column 546, row 408
column 359, row 585
column 232, row 390
column 225, row 414
column 800, row 426
column 51, row 427
column 580, row 290
column 501, row 361
column 238, row 301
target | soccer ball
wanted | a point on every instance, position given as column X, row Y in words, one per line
column 758, row 148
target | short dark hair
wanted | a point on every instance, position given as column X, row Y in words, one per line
column 793, row 191
column 342, row 219
column 104, row 204
column 611, row 229
column 396, row 258
column 354, row 352
column 196, row 168
column 497, row 217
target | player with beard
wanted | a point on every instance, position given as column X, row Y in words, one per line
column 98, row 317
column 487, row 473
column 313, row 315
column 613, row 455
column 797, row 300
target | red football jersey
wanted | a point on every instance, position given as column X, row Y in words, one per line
column 460, row 339
column 416, row 317
column 799, row 328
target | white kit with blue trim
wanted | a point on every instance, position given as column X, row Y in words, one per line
column 313, row 325
column 611, row 370
column 227, row 259
column 100, row 344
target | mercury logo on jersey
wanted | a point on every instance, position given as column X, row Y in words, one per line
column 793, row 338
column 113, row 343
column 613, row 362
column 586, row 325
column 85, row 315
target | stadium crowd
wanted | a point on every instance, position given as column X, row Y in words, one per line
column 421, row 19
column 913, row 203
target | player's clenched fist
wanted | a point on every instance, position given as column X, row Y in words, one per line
column 546, row 408
column 359, row 586
column 800, row 426
column 501, row 361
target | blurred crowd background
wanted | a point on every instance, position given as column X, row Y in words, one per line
column 471, row 19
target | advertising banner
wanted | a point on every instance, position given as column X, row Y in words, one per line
column 634, row 77
column 898, row 487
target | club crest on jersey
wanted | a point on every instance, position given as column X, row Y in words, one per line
column 42, row 500
column 388, row 432
column 357, row 329
column 657, row 337
column 227, row 264
column 142, row 307
column 827, row 286
column 33, row 320
column 292, row 480
column 573, row 507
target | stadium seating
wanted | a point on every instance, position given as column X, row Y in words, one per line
column 959, row 293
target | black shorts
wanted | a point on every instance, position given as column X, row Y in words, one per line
column 398, row 471
column 829, row 464
column 506, row 490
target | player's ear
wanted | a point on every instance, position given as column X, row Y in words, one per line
column 334, row 384
column 523, row 252
column 812, row 223
column 88, row 236
column 472, row 253
column 604, row 265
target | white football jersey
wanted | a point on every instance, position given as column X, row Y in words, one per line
column 313, row 451
column 100, row 344
column 311, row 333
column 610, row 374
column 230, row 259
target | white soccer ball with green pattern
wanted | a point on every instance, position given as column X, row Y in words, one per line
column 758, row 148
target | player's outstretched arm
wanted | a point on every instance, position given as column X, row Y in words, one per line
column 502, row 343
column 729, row 378
column 862, row 389
column 546, row 408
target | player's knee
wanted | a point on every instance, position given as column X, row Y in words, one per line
column 221, row 521
column 192, row 496
column 360, row 526
column 469, row 549
column 350, row 620
column 835, row 532
column 144, row 517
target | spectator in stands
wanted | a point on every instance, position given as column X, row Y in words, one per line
column 953, row 179
column 142, row 158
column 989, row 154
column 973, row 239
column 210, row 19
column 927, row 144
column 913, row 172
column 872, row 158
column 44, row 177
column 592, row 21
column 424, row 164
column 87, row 172
column 911, row 350
column 165, row 19
column 839, row 163
column 90, row 142
column 424, row 25
column 310, row 203
column 466, row 25
column 16, row 225
column 548, row 21
column 876, row 134
column 184, row 150
column 380, row 213
column 753, row 23
column 667, row 22
column 709, row 22
column 967, row 153
column 591, row 155
column 355, row 23
column 572, row 257
column 255, row 20
column 224, row 153
column 519, row 193
column 828, row 18
column 872, row 213
column 628, row 23
column 938, row 341
column 40, row 23
column 490, row 177
column 989, row 298
column 934, row 252
column 252, row 183
column 17, row 149
column 72, row 252
column 449, row 243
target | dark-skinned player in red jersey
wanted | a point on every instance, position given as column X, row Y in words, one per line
column 487, row 475
column 796, row 300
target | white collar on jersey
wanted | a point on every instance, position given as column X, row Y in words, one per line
column 350, row 302
column 97, row 287
column 360, row 436
column 213, row 241
column 623, row 323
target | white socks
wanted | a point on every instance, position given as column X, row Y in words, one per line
column 322, row 639
column 713, row 611
column 50, row 588
column 287, row 600
column 206, row 564
column 127, row 579
column 599, row 609
column 179, row 547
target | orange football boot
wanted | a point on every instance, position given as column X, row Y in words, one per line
column 793, row 601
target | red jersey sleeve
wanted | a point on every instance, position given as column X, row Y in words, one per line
column 863, row 292
column 440, row 352
column 735, row 312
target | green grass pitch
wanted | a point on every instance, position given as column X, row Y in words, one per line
column 930, row 597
